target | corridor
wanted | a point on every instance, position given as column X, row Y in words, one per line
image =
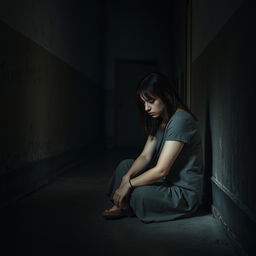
column 63, row 218
column 69, row 73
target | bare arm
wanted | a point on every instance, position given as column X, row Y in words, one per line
column 168, row 155
column 139, row 164
column 143, row 159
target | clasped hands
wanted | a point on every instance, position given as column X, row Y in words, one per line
column 122, row 192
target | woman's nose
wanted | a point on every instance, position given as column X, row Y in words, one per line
column 146, row 107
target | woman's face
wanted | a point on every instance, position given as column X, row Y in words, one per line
column 154, row 106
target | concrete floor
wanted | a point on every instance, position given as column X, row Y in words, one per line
column 63, row 218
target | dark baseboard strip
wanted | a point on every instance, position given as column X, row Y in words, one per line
column 235, row 199
column 239, row 249
column 238, row 226
column 18, row 183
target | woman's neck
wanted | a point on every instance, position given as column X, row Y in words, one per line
column 178, row 110
column 166, row 118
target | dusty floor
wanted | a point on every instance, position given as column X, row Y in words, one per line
column 63, row 218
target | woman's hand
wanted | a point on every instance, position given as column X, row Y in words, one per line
column 125, row 179
column 121, row 193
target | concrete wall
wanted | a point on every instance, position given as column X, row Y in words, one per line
column 135, row 31
column 50, row 105
column 223, row 95
column 180, row 52
column 178, row 16
column 70, row 30
column 208, row 19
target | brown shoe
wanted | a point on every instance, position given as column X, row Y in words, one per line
column 117, row 214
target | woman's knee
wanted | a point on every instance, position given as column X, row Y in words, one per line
column 124, row 166
column 141, row 193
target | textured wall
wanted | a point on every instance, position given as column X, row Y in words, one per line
column 208, row 18
column 49, row 107
column 178, row 17
column 44, row 103
column 223, row 79
column 70, row 30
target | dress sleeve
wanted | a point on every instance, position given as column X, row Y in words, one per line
column 181, row 129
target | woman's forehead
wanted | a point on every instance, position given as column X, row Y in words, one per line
column 147, row 96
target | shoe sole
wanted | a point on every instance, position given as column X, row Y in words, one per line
column 114, row 217
column 117, row 216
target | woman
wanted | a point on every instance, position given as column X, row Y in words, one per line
column 165, row 181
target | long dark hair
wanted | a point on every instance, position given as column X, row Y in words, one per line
column 157, row 85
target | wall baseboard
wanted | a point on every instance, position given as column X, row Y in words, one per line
column 18, row 183
column 239, row 249
column 239, row 227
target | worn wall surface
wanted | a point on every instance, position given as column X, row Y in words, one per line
column 208, row 19
column 179, row 23
column 223, row 93
column 49, row 106
column 67, row 29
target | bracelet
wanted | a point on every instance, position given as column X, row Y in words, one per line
column 131, row 184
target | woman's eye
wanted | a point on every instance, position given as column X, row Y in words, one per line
column 151, row 101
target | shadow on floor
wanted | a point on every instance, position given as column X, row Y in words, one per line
column 63, row 218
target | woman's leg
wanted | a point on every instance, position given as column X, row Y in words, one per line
column 116, row 178
column 161, row 202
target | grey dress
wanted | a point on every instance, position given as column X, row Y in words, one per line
column 179, row 193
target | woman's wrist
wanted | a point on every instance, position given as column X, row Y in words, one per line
column 130, row 183
column 127, row 177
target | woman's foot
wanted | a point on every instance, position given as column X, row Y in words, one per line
column 116, row 213
column 113, row 208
